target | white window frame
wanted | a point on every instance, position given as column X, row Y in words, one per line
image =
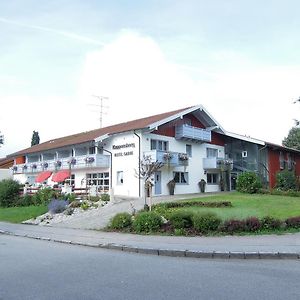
column 211, row 181
column 211, row 152
column 182, row 176
column 120, row 177
column 155, row 145
column 189, row 153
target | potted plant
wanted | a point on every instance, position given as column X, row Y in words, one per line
column 202, row 184
column 171, row 185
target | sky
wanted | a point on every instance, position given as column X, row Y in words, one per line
column 239, row 59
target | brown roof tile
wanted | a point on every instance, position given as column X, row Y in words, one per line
column 88, row 136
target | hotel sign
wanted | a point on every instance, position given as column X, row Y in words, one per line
column 123, row 146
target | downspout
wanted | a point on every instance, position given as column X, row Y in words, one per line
column 110, row 181
column 139, row 161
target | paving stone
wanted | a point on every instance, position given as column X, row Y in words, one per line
column 198, row 254
column 130, row 249
column 269, row 255
column 169, row 252
column 148, row 251
column 237, row 255
column 252, row 255
column 222, row 255
column 288, row 255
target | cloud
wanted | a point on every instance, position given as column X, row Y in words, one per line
column 132, row 70
column 66, row 34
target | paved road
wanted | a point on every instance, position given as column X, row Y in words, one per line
column 32, row 269
column 288, row 243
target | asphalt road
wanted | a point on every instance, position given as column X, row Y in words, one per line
column 32, row 269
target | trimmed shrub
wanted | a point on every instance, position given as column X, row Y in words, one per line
column 293, row 222
column 120, row 221
column 57, row 206
column 234, row 225
column 9, row 192
column 270, row 223
column 286, row 180
column 147, row 222
column 252, row 224
column 181, row 219
column 179, row 204
column 105, row 197
column 205, row 222
column 248, row 182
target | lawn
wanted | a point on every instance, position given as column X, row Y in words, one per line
column 19, row 214
column 248, row 205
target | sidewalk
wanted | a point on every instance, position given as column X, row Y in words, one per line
column 229, row 247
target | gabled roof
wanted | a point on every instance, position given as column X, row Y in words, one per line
column 101, row 133
column 6, row 163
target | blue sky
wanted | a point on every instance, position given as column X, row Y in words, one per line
column 239, row 59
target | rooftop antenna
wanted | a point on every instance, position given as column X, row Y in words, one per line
column 101, row 107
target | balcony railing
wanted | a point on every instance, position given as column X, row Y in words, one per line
column 168, row 157
column 216, row 163
column 188, row 132
column 77, row 162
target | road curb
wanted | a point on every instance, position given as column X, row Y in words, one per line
column 168, row 252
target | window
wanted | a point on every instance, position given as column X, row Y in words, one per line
column 72, row 182
column 212, row 178
column 181, row 177
column 211, row 152
column 101, row 180
column 289, row 162
column 92, row 150
column 159, row 145
column 281, row 160
column 120, row 177
column 188, row 150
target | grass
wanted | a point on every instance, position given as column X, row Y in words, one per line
column 19, row 214
column 249, row 205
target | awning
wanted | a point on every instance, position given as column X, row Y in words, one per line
column 43, row 176
column 60, row 176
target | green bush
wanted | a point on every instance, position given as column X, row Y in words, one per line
column 70, row 197
column 121, row 221
column 248, row 182
column 286, row 180
column 205, row 222
column 25, row 200
column 147, row 222
column 234, row 225
column 84, row 205
column 293, row 222
column 181, row 219
column 43, row 196
column 105, row 197
column 9, row 192
column 271, row 223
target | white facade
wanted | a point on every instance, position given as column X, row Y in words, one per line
column 115, row 159
column 5, row 174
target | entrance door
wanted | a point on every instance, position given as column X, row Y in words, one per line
column 157, row 183
column 233, row 181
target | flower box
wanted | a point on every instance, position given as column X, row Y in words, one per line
column 89, row 160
